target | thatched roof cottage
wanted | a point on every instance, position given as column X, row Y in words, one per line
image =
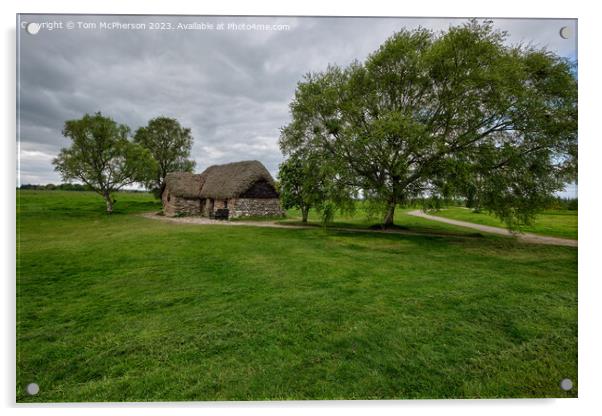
column 242, row 188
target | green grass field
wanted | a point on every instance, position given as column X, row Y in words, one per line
column 125, row 308
column 556, row 223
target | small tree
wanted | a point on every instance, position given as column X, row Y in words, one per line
column 311, row 177
column 169, row 143
column 299, row 185
column 308, row 181
column 102, row 157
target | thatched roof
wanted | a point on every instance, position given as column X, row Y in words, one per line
column 232, row 179
column 184, row 184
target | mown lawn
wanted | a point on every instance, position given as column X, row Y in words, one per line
column 556, row 223
column 125, row 308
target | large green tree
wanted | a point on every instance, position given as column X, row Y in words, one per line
column 458, row 113
column 170, row 145
column 102, row 156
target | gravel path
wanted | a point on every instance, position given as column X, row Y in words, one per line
column 208, row 221
column 526, row 237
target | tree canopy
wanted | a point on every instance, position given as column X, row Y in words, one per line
column 102, row 156
column 459, row 113
column 169, row 143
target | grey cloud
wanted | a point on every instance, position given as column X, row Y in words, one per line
column 232, row 88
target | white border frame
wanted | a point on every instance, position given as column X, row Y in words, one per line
column 590, row 150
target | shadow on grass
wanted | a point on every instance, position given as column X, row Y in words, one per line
column 386, row 230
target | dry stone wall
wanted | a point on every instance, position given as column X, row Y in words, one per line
column 255, row 207
column 181, row 206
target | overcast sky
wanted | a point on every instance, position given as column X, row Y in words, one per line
column 232, row 87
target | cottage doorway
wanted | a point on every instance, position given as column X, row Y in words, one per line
column 210, row 204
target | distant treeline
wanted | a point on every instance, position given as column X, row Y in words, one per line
column 65, row 187
column 54, row 187
column 572, row 204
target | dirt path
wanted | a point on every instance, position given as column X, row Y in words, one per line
column 526, row 237
column 208, row 221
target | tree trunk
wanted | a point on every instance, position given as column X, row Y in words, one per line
column 304, row 214
column 109, row 202
column 390, row 214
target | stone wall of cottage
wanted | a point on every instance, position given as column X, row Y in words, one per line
column 254, row 207
column 173, row 205
column 238, row 207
